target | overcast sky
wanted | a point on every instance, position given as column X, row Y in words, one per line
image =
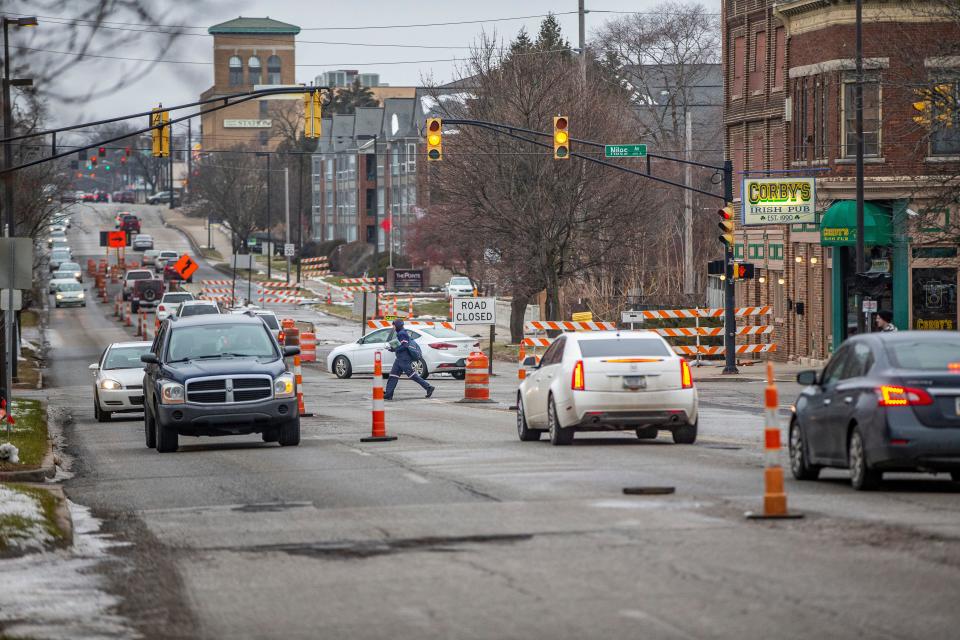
column 321, row 45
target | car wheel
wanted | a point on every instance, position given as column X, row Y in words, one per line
column 342, row 368
column 647, row 433
column 290, row 433
column 862, row 477
column 685, row 434
column 458, row 375
column 523, row 430
column 801, row 469
column 271, row 435
column 955, row 476
column 134, row 306
column 168, row 440
column 420, row 368
column 58, row 305
column 149, row 428
column 558, row 435
column 100, row 414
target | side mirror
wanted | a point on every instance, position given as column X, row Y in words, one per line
column 531, row 361
column 94, row 367
column 807, row 378
column 291, row 351
column 149, row 358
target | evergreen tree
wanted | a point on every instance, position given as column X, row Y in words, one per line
column 522, row 43
column 551, row 38
column 356, row 95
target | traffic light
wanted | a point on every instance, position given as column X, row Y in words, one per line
column 434, row 139
column 123, row 159
column 561, row 138
column 102, row 152
column 106, row 166
column 727, row 225
column 743, row 271
column 126, row 152
column 716, row 268
column 93, row 161
column 160, row 120
column 312, row 114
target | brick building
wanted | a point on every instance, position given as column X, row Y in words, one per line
column 249, row 53
column 788, row 111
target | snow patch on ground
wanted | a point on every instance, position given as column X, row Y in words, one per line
column 60, row 595
column 30, row 534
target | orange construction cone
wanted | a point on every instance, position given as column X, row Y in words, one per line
column 379, row 418
column 521, row 372
column 774, row 496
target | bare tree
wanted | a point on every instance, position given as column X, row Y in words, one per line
column 233, row 187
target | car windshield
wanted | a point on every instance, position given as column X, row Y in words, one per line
column 198, row 309
column 69, row 266
column 177, row 298
column 70, row 286
column 221, row 340
column 139, row 275
column 930, row 353
column 64, row 274
column 270, row 320
column 125, row 357
column 443, row 332
column 60, row 255
column 459, row 280
column 144, row 237
column 615, row 347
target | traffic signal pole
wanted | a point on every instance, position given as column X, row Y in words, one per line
column 729, row 297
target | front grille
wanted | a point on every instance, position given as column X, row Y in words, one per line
column 134, row 386
column 136, row 399
column 230, row 390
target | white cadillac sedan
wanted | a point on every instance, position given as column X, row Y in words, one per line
column 608, row 381
column 118, row 381
column 444, row 351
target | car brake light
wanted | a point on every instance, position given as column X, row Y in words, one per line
column 576, row 383
column 442, row 345
column 891, row 396
column 686, row 378
column 161, row 308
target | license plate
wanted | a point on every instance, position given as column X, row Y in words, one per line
column 635, row 382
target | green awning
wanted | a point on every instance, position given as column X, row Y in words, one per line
column 838, row 226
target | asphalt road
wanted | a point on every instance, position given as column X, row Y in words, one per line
column 458, row 530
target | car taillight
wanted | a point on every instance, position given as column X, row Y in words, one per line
column 442, row 345
column 161, row 308
column 686, row 379
column 576, row 382
column 891, row 396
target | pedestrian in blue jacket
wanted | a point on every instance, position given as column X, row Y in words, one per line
column 405, row 355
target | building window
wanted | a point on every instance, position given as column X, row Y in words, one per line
column 264, row 109
column 820, row 118
column 758, row 64
column 945, row 120
column 871, row 118
column 264, row 137
column 273, row 70
column 236, row 70
column 739, row 59
column 253, row 70
column 778, row 54
column 411, row 158
column 800, row 122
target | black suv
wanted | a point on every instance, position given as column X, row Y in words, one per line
column 213, row 375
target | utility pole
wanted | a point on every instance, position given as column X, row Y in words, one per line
column 582, row 29
column 858, row 106
column 170, row 164
column 299, row 217
column 286, row 204
column 687, row 207
column 729, row 298
column 186, row 188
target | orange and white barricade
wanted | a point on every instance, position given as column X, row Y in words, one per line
column 379, row 420
column 308, row 346
column 383, row 324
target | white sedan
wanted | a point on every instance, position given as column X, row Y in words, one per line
column 608, row 381
column 459, row 286
column 444, row 351
column 118, row 381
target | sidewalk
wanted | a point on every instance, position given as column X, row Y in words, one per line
column 782, row 372
column 196, row 231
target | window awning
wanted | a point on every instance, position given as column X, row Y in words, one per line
column 838, row 226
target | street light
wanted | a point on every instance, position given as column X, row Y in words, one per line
column 266, row 154
column 9, row 343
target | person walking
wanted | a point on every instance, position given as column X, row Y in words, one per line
column 406, row 351
column 884, row 320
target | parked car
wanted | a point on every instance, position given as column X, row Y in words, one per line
column 133, row 275
column 61, row 244
column 142, row 242
column 459, row 286
column 163, row 197
column 146, row 293
column 444, row 351
column 58, row 257
column 130, row 223
column 603, row 381
column 118, row 380
column 885, row 402
column 72, row 268
column 124, row 196
column 197, row 308
column 58, row 279
column 89, row 197
column 68, row 293
column 212, row 377
column 102, row 196
column 170, row 303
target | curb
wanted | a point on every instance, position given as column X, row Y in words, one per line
column 48, row 467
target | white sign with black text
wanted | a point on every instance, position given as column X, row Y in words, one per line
column 474, row 310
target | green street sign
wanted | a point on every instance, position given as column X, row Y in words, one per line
column 625, row 151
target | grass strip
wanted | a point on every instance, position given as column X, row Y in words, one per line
column 29, row 434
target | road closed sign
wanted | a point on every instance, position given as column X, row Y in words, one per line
column 779, row 200
column 474, row 311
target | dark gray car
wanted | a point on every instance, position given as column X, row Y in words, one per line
column 887, row 401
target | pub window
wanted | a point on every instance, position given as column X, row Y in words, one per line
column 273, row 70
column 235, row 65
column 945, row 120
column 776, row 252
column 253, row 70
column 871, row 118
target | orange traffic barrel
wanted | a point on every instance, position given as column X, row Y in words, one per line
column 308, row 346
column 477, row 381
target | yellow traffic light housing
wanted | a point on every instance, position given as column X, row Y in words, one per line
column 434, row 139
column 561, row 138
column 727, row 225
column 312, row 114
column 160, row 121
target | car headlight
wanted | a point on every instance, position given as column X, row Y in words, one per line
column 80, row 295
column 110, row 385
column 76, row 274
column 283, row 386
column 171, row 393
column 59, row 296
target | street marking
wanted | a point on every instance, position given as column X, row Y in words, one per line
column 416, row 478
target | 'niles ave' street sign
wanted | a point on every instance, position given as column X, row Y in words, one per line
column 625, row 151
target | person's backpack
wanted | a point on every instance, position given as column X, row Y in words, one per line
column 414, row 349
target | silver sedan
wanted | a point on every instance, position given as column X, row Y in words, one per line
column 118, row 380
